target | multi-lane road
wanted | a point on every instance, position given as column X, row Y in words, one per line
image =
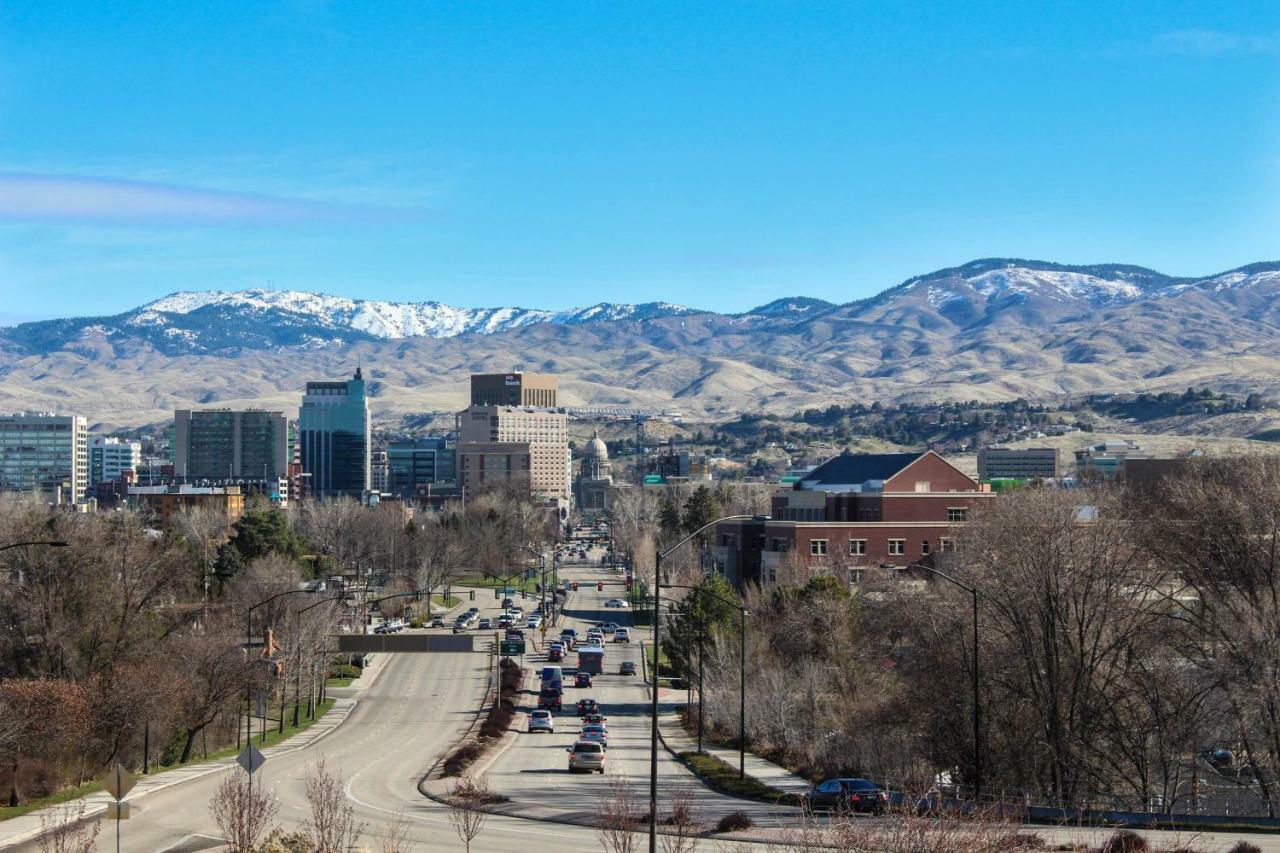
column 418, row 705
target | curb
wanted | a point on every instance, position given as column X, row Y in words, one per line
column 94, row 811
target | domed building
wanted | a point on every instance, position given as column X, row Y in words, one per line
column 595, row 476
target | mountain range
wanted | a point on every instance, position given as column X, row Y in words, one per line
column 990, row 329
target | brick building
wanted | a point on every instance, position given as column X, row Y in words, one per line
column 854, row 512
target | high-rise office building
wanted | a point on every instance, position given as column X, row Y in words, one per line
column 333, row 428
column 541, row 428
column 420, row 462
column 45, row 453
column 221, row 445
column 110, row 458
column 513, row 389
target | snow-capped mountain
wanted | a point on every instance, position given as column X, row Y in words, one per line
column 990, row 329
column 384, row 319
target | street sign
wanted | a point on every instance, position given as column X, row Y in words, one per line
column 543, row 628
column 118, row 782
column 512, row 647
column 117, row 811
column 250, row 759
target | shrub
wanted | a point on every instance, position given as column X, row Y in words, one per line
column 1125, row 841
column 461, row 759
column 734, row 821
column 1245, row 847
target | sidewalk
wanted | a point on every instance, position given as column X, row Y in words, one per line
column 677, row 740
column 26, row 827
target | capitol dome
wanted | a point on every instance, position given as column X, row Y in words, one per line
column 596, row 448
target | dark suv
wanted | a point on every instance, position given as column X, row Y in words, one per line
column 852, row 795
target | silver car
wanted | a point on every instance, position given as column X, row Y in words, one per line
column 586, row 755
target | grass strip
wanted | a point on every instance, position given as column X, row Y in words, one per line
column 724, row 778
column 273, row 737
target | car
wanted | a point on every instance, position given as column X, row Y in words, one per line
column 550, row 698
column 595, row 719
column 555, row 654
column 856, row 795
column 622, row 635
column 594, row 636
column 588, row 706
column 437, row 622
column 541, row 721
column 627, row 667
column 485, row 624
column 506, row 602
column 569, row 634
column 586, row 755
column 595, row 732
column 380, row 629
column 505, row 621
column 608, row 627
column 533, row 621
column 582, row 679
column 617, row 603
column 514, row 633
column 473, row 609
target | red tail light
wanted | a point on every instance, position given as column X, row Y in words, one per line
column 857, row 798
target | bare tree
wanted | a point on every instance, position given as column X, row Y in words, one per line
column 204, row 529
column 65, row 830
column 243, row 812
column 332, row 827
column 395, row 837
column 683, row 824
column 464, row 810
column 618, row 816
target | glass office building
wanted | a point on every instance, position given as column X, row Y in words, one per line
column 420, row 462
column 45, row 453
column 333, row 429
column 223, row 445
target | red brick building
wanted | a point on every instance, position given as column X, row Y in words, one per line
column 854, row 511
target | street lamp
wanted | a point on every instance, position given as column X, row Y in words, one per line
column 248, row 642
column 977, row 696
column 48, row 543
column 743, row 613
column 653, row 733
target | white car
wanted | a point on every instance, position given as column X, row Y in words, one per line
column 622, row 635
column 617, row 603
column 533, row 621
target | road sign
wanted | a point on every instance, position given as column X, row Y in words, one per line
column 118, row 782
column 250, row 759
column 543, row 628
column 117, row 811
column 512, row 647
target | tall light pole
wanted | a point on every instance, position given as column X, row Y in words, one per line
column 653, row 733
column 48, row 543
column 977, row 696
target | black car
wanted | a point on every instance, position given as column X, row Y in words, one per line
column 853, row 795
column 587, row 706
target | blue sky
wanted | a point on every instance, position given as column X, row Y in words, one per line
column 716, row 154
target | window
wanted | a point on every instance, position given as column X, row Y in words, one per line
column 855, row 576
column 924, row 546
column 923, row 486
column 946, row 545
column 857, row 547
column 957, row 513
column 897, row 547
column 818, row 547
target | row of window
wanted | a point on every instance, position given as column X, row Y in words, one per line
column 896, row 547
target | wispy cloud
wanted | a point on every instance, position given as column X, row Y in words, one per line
column 1214, row 43
column 86, row 200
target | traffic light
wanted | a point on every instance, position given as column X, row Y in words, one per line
column 472, row 593
column 523, row 594
column 496, row 594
